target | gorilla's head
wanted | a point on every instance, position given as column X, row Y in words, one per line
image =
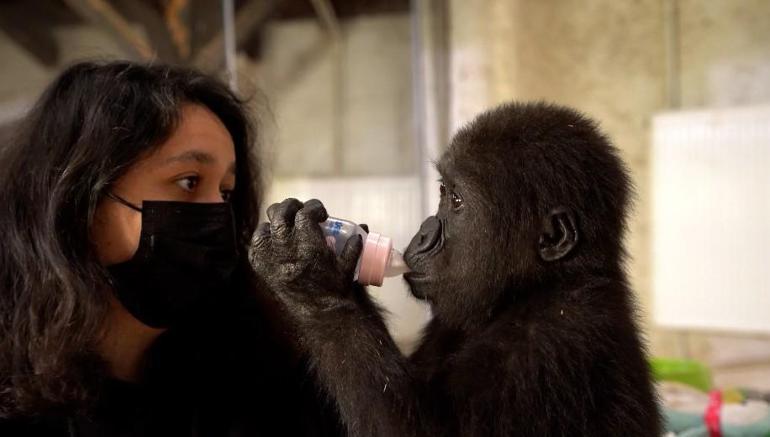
column 532, row 195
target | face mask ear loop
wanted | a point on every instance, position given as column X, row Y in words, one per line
column 123, row 201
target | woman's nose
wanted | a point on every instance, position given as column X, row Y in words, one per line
column 211, row 196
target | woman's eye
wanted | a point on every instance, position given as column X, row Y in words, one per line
column 457, row 201
column 188, row 183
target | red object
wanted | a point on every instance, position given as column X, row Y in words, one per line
column 713, row 410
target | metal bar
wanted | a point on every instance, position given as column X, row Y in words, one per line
column 672, row 53
column 429, row 92
column 328, row 18
column 325, row 12
column 249, row 17
column 228, row 30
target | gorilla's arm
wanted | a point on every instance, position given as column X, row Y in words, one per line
column 359, row 364
column 341, row 329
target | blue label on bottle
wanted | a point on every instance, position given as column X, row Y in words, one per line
column 336, row 227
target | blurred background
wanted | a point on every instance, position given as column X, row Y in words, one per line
column 355, row 98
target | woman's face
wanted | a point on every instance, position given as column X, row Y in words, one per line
column 195, row 164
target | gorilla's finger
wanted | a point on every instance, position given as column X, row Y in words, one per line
column 263, row 230
column 261, row 236
column 313, row 211
column 271, row 210
column 281, row 216
column 277, row 209
column 348, row 259
column 306, row 226
column 365, row 227
column 260, row 241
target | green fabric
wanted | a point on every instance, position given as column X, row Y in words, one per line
column 688, row 372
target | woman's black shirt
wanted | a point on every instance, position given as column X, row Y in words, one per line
column 232, row 371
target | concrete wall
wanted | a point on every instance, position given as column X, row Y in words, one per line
column 23, row 78
column 724, row 52
column 340, row 113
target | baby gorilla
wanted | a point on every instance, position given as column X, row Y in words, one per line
column 533, row 331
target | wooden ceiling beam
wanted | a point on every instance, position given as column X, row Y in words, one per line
column 100, row 13
column 156, row 27
column 28, row 24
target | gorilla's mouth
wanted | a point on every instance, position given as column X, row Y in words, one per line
column 420, row 257
column 418, row 284
column 415, row 277
column 426, row 248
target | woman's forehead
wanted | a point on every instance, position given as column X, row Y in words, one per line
column 200, row 136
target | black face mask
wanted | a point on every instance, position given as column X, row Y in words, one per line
column 186, row 256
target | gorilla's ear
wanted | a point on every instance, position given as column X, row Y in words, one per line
column 560, row 234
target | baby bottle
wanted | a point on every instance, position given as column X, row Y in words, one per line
column 378, row 258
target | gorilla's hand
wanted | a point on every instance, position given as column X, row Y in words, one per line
column 336, row 323
column 291, row 256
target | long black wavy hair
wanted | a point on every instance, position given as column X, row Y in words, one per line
column 91, row 124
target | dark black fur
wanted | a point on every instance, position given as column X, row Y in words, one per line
column 533, row 331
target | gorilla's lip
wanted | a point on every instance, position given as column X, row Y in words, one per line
column 415, row 276
column 416, row 280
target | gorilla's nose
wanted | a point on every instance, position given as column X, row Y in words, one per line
column 426, row 237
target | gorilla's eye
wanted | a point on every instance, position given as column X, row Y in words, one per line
column 457, row 201
column 442, row 189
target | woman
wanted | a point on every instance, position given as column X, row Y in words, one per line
column 127, row 304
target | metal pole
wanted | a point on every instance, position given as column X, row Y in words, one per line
column 228, row 14
column 429, row 93
column 671, row 35
column 329, row 21
column 418, row 101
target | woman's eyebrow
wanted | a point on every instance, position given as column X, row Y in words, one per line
column 190, row 155
column 197, row 156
